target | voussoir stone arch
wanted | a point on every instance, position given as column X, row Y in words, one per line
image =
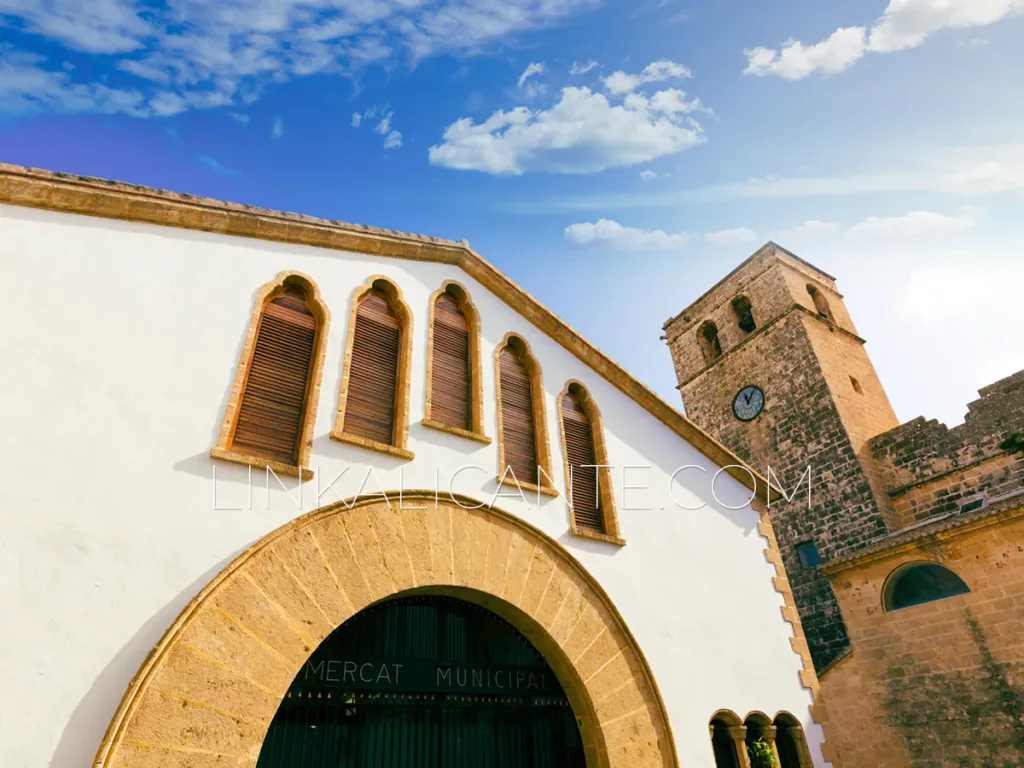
column 207, row 693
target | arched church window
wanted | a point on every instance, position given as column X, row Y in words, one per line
column 790, row 742
column 587, row 474
column 373, row 402
column 760, row 741
column 454, row 385
column 821, row 304
column 919, row 583
column 522, row 430
column 270, row 414
column 744, row 314
column 707, row 337
column 727, row 737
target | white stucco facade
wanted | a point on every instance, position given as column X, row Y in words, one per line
column 120, row 343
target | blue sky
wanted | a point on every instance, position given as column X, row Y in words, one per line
column 645, row 147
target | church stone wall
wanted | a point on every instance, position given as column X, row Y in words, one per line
column 924, row 450
column 938, row 685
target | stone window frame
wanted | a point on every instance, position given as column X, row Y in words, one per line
column 454, row 288
column 400, row 438
column 708, row 343
column 982, row 497
column 540, row 425
column 889, row 585
column 223, row 450
column 788, row 723
column 733, row 305
column 612, row 533
column 800, row 557
column 757, row 725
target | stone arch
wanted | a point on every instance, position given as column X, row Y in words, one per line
column 727, row 740
column 919, row 582
column 206, row 694
column 790, row 742
column 744, row 312
column 821, row 304
column 707, row 337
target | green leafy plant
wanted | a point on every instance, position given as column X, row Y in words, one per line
column 1013, row 443
column 761, row 754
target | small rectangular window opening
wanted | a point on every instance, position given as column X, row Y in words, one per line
column 808, row 554
column 972, row 505
column 856, row 386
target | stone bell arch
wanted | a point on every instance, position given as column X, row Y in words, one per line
column 208, row 691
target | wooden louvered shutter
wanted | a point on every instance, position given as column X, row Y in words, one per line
column 517, row 423
column 273, row 406
column 373, row 375
column 450, row 393
column 579, row 448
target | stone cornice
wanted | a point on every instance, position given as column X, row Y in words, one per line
column 35, row 188
column 939, row 530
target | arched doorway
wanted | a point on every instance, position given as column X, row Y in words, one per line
column 424, row 681
column 215, row 681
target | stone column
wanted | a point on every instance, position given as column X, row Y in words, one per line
column 803, row 755
column 738, row 734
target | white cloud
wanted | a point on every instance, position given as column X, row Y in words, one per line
column 613, row 236
column 904, row 24
column 958, row 172
column 220, row 53
column 974, row 42
column 240, row 117
column 96, row 26
column 908, row 23
column 356, row 119
column 914, row 224
column 26, row 88
column 740, row 236
column 582, row 133
column 657, row 71
column 392, row 138
column 277, row 127
column 582, row 69
column 648, row 175
column 534, row 68
column 986, row 179
column 796, row 60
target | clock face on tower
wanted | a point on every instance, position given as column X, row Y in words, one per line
column 748, row 403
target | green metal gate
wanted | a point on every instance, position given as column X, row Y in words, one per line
column 424, row 682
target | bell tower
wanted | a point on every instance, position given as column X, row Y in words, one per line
column 770, row 363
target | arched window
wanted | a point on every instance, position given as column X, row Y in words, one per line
column 707, row 337
column 727, row 736
column 522, row 429
column 790, row 742
column 744, row 314
column 918, row 583
column 820, row 302
column 373, row 404
column 760, row 741
column 270, row 414
column 591, row 503
column 454, row 377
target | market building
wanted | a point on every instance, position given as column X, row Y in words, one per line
column 286, row 491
